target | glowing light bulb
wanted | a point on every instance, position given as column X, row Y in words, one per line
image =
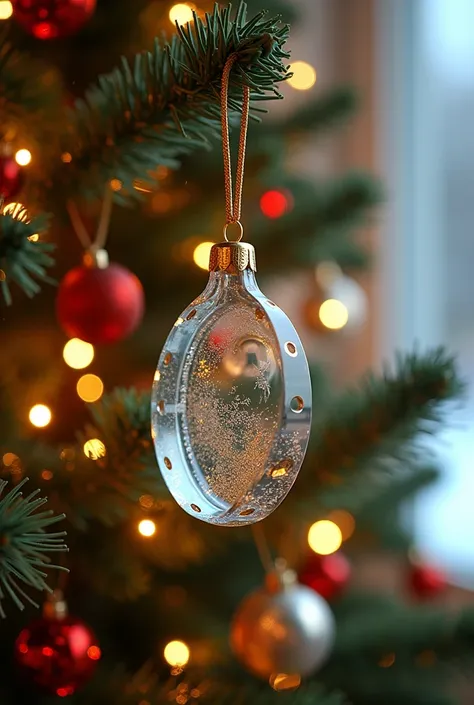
column 78, row 354
column 17, row 210
column 90, row 388
column 94, row 449
column 201, row 254
column 182, row 13
column 176, row 653
column 94, row 653
column 40, row 415
column 324, row 537
column 6, row 9
column 304, row 76
column 147, row 527
column 23, row 157
column 333, row 314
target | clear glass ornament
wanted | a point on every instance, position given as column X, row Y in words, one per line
column 231, row 401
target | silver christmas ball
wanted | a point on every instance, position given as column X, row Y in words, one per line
column 288, row 629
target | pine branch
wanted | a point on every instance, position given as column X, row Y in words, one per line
column 24, row 543
column 326, row 112
column 21, row 256
column 374, row 426
column 166, row 102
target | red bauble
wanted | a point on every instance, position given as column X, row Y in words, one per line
column 426, row 582
column 11, row 178
column 327, row 575
column 51, row 19
column 57, row 655
column 100, row 306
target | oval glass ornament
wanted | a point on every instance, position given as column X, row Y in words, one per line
column 231, row 400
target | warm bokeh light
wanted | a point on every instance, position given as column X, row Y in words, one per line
column 345, row 522
column 90, row 388
column 176, row 653
column 47, row 475
column 6, row 9
column 147, row 527
column 333, row 314
column 33, row 238
column 324, row 537
column 182, row 13
column 285, row 681
column 40, row 415
column 78, row 354
column 115, row 184
column 275, row 203
column 9, row 458
column 201, row 254
column 94, row 449
column 17, row 210
column 94, row 653
column 66, row 157
column 23, row 157
column 304, row 76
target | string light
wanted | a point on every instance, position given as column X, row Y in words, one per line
column 181, row 13
column 66, row 157
column 285, row 681
column 94, row 653
column 40, row 415
column 147, row 527
column 324, row 537
column 6, row 9
column 33, row 238
column 304, row 76
column 201, row 254
column 17, row 210
column 94, row 449
column 23, row 157
column 115, row 184
column 78, row 354
column 176, row 653
column 90, row 388
column 333, row 314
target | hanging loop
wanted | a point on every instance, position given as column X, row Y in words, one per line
column 241, row 231
column 233, row 203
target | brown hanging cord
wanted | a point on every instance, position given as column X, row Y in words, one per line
column 233, row 206
column 102, row 229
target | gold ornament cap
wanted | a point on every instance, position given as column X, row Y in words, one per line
column 232, row 257
column 95, row 258
column 55, row 606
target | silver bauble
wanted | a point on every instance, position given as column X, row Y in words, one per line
column 287, row 629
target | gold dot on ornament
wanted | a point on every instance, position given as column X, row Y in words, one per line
column 161, row 407
column 281, row 469
column 259, row 314
column 178, row 321
column 285, row 681
column 290, row 349
column 297, row 404
column 196, row 508
column 157, row 376
column 191, row 314
column 167, row 359
column 168, row 463
column 246, row 512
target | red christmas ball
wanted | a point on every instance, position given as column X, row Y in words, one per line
column 327, row 575
column 425, row 581
column 100, row 306
column 57, row 654
column 11, row 178
column 51, row 19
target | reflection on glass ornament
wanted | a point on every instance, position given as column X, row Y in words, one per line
column 231, row 402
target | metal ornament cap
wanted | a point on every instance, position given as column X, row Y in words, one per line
column 231, row 400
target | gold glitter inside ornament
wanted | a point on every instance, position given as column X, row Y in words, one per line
column 232, row 400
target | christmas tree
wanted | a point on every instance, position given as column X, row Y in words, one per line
column 167, row 608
